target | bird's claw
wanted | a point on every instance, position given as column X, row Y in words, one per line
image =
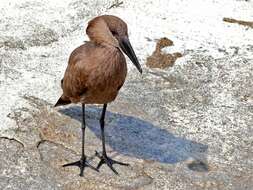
column 82, row 163
column 104, row 159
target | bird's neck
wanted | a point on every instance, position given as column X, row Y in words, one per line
column 99, row 33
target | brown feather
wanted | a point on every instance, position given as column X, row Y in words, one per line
column 97, row 69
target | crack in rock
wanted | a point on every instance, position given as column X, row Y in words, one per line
column 13, row 139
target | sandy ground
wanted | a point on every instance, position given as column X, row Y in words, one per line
column 185, row 126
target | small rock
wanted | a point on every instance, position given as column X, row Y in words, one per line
column 198, row 166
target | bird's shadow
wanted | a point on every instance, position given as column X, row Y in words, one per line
column 132, row 136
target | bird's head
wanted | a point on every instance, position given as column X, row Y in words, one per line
column 112, row 30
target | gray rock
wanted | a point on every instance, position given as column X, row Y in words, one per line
column 184, row 127
column 11, row 42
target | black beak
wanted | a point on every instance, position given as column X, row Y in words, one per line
column 126, row 47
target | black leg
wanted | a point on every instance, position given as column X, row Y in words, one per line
column 83, row 131
column 82, row 163
column 104, row 159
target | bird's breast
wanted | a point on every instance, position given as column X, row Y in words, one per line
column 105, row 81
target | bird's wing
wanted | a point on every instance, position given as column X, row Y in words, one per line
column 76, row 74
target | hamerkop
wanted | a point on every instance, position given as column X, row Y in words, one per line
column 96, row 71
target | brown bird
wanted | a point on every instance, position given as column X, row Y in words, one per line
column 96, row 71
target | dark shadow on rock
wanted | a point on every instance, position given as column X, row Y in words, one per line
column 138, row 138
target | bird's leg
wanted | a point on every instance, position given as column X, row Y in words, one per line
column 104, row 159
column 82, row 163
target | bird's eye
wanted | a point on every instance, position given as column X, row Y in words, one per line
column 114, row 33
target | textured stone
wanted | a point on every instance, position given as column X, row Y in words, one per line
column 183, row 127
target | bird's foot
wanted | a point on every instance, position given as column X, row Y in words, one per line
column 104, row 159
column 82, row 163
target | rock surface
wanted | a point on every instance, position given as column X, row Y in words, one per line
column 189, row 126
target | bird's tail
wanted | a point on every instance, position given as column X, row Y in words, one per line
column 63, row 100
